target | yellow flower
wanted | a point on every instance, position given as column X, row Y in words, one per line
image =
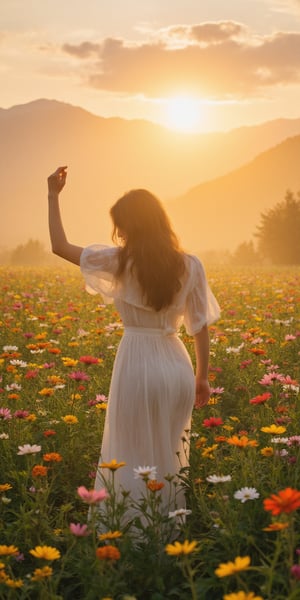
column 177, row 548
column 242, row 596
column 13, row 583
column 113, row 465
column 267, row 451
column 8, row 550
column 45, row 552
column 101, row 406
column 4, row 487
column 43, row 573
column 110, row 535
column 46, row 392
column 76, row 396
column 228, row 427
column 241, row 563
column 69, row 362
column 275, row 429
column 70, row 419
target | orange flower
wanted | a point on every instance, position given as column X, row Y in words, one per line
column 286, row 501
column 257, row 351
column 46, row 392
column 154, row 485
column 39, row 471
column 241, row 442
column 108, row 553
column 52, row 457
column 276, row 526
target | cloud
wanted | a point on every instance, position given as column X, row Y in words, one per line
column 215, row 59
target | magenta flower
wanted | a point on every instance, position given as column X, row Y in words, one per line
column 21, row 414
column 79, row 376
column 295, row 571
column 92, row 496
column 79, row 530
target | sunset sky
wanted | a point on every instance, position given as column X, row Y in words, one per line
column 186, row 64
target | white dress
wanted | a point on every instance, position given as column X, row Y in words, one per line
column 152, row 389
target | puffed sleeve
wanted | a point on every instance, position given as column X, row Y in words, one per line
column 201, row 307
column 98, row 265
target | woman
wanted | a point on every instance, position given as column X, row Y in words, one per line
column 155, row 287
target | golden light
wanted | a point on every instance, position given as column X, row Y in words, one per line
column 184, row 113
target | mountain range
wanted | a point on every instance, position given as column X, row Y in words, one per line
column 214, row 185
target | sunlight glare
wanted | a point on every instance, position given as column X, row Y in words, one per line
column 184, row 114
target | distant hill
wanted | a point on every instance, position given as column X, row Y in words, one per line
column 107, row 157
column 221, row 213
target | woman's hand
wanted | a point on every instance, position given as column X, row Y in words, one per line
column 202, row 393
column 57, row 180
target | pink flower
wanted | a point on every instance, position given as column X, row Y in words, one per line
column 79, row 376
column 295, row 571
column 5, row 414
column 92, row 496
column 21, row 414
column 79, row 530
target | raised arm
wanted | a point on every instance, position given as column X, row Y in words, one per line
column 59, row 242
column 201, row 341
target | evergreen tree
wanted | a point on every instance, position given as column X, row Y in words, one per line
column 279, row 232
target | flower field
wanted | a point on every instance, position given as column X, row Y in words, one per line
column 239, row 538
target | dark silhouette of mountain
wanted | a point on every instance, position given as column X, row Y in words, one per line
column 222, row 213
column 105, row 158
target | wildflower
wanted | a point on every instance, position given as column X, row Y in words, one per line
column 241, row 563
column 108, row 553
column 260, row 399
column 29, row 449
column 267, row 451
column 46, row 392
column 70, row 419
column 294, row 440
column 45, row 552
column 242, row 596
column 69, row 362
column 180, row 512
column 279, row 440
column 52, row 457
column 8, row 550
column 4, row 487
column 39, row 471
column 286, row 501
column 5, row 414
column 49, row 432
column 4, row 436
column 241, row 442
column 92, row 496
column 273, row 429
column 89, row 360
column 79, row 530
column 113, row 465
column 212, row 422
column 218, row 478
column 246, row 493
column 295, row 571
column 145, row 472
column 79, row 376
column 154, row 486
column 21, row 414
column 110, row 535
column 13, row 583
column 177, row 548
column 43, row 573
column 276, row 526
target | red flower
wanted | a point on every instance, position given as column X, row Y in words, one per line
column 260, row 399
column 212, row 422
column 89, row 360
column 286, row 501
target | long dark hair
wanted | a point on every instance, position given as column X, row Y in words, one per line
column 150, row 244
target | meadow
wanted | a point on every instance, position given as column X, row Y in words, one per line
column 240, row 536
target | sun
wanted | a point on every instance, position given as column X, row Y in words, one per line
column 183, row 113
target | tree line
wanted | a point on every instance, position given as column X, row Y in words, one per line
column 277, row 242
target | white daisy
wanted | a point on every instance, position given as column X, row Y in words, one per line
column 145, row 472
column 29, row 449
column 246, row 493
column 218, row 478
column 180, row 512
